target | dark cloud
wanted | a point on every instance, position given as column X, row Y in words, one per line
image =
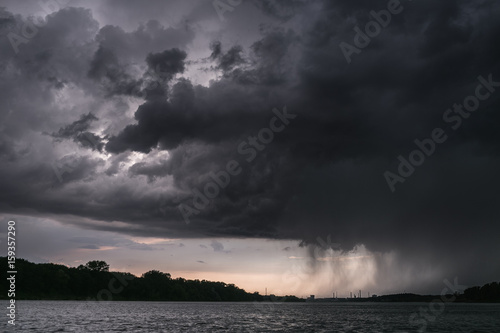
column 152, row 172
column 280, row 9
column 167, row 63
column 217, row 246
column 90, row 247
column 106, row 69
column 78, row 132
column 84, row 240
column 226, row 62
column 323, row 174
column 151, row 37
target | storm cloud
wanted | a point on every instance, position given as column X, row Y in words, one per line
column 108, row 123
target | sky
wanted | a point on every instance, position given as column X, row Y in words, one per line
column 306, row 147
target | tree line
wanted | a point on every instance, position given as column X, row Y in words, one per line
column 94, row 281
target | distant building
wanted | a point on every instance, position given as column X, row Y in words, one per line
column 310, row 299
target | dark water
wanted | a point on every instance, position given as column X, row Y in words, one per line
column 75, row 316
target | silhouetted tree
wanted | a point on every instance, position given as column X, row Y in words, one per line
column 97, row 265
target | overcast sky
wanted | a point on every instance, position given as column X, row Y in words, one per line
column 304, row 146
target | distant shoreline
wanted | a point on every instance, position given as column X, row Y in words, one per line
column 94, row 282
column 249, row 302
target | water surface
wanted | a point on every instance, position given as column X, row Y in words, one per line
column 81, row 316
